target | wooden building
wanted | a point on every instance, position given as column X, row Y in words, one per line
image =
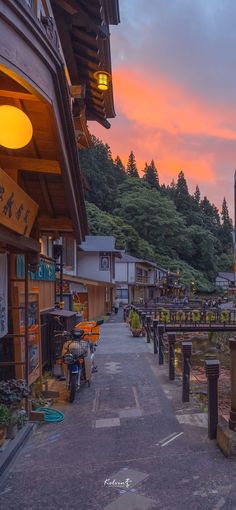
column 50, row 52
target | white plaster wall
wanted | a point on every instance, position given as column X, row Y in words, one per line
column 88, row 267
column 121, row 273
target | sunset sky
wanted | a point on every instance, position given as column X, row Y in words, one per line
column 174, row 79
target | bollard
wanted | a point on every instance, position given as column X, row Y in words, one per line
column 125, row 313
column 232, row 417
column 148, row 323
column 186, row 351
column 161, row 329
column 143, row 319
column 212, row 367
column 155, row 336
column 171, row 342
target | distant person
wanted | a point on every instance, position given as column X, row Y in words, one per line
column 116, row 304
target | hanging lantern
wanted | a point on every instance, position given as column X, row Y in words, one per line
column 16, row 129
column 103, row 79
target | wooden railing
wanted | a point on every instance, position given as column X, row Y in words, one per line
column 190, row 317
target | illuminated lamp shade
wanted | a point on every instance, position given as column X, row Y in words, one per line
column 16, row 129
column 103, row 79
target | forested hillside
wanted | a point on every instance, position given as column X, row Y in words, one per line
column 164, row 223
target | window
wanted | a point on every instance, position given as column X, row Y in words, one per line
column 122, row 293
column 69, row 251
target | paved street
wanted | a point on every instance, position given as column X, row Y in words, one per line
column 127, row 443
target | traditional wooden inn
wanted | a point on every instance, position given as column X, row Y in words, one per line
column 55, row 74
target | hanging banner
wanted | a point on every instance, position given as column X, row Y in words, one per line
column 3, row 295
column 17, row 210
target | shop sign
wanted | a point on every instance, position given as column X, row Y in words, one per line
column 46, row 270
column 17, row 210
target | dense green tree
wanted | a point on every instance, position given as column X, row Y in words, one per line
column 103, row 223
column 226, row 227
column 131, row 169
column 197, row 195
column 181, row 196
column 120, row 174
column 164, row 223
column 151, row 175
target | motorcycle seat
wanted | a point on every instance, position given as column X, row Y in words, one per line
column 77, row 333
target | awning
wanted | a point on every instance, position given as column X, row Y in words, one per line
column 87, row 281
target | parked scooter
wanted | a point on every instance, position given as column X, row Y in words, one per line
column 77, row 356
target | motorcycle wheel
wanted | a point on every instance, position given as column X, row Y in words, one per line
column 73, row 385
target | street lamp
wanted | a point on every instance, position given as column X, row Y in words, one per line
column 16, row 129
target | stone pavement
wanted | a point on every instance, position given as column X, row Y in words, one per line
column 127, row 443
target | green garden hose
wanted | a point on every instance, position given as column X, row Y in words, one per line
column 51, row 415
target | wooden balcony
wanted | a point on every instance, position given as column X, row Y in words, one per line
column 145, row 280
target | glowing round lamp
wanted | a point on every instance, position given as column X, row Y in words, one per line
column 16, row 129
column 102, row 78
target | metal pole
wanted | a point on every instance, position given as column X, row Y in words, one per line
column 161, row 329
column 186, row 351
column 212, row 367
column 171, row 342
column 26, row 320
column 155, row 335
column 61, row 278
column 232, row 419
column 148, row 322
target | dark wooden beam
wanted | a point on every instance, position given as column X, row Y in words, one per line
column 65, row 38
column 19, row 242
column 18, row 95
column 47, row 166
column 70, row 6
column 59, row 224
column 46, row 196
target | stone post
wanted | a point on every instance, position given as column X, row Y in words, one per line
column 186, row 351
column 155, row 336
column 171, row 342
column 212, row 367
column 232, row 418
column 143, row 319
column 161, row 329
column 148, row 322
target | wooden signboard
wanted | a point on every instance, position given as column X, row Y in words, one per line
column 17, row 210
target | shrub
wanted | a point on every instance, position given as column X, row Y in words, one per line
column 135, row 321
column 4, row 416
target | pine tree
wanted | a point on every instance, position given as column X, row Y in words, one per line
column 151, row 175
column 197, row 195
column 226, row 225
column 182, row 197
column 131, row 166
column 120, row 173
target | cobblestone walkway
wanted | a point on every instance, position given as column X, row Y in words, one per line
column 127, row 443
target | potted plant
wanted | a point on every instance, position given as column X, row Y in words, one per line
column 224, row 316
column 12, row 426
column 210, row 317
column 196, row 316
column 21, row 418
column 180, row 316
column 164, row 315
column 135, row 325
column 13, row 391
column 4, row 422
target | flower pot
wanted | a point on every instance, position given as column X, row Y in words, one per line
column 3, row 433
column 11, row 431
column 136, row 332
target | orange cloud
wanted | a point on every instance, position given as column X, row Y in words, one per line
column 156, row 102
column 162, row 120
